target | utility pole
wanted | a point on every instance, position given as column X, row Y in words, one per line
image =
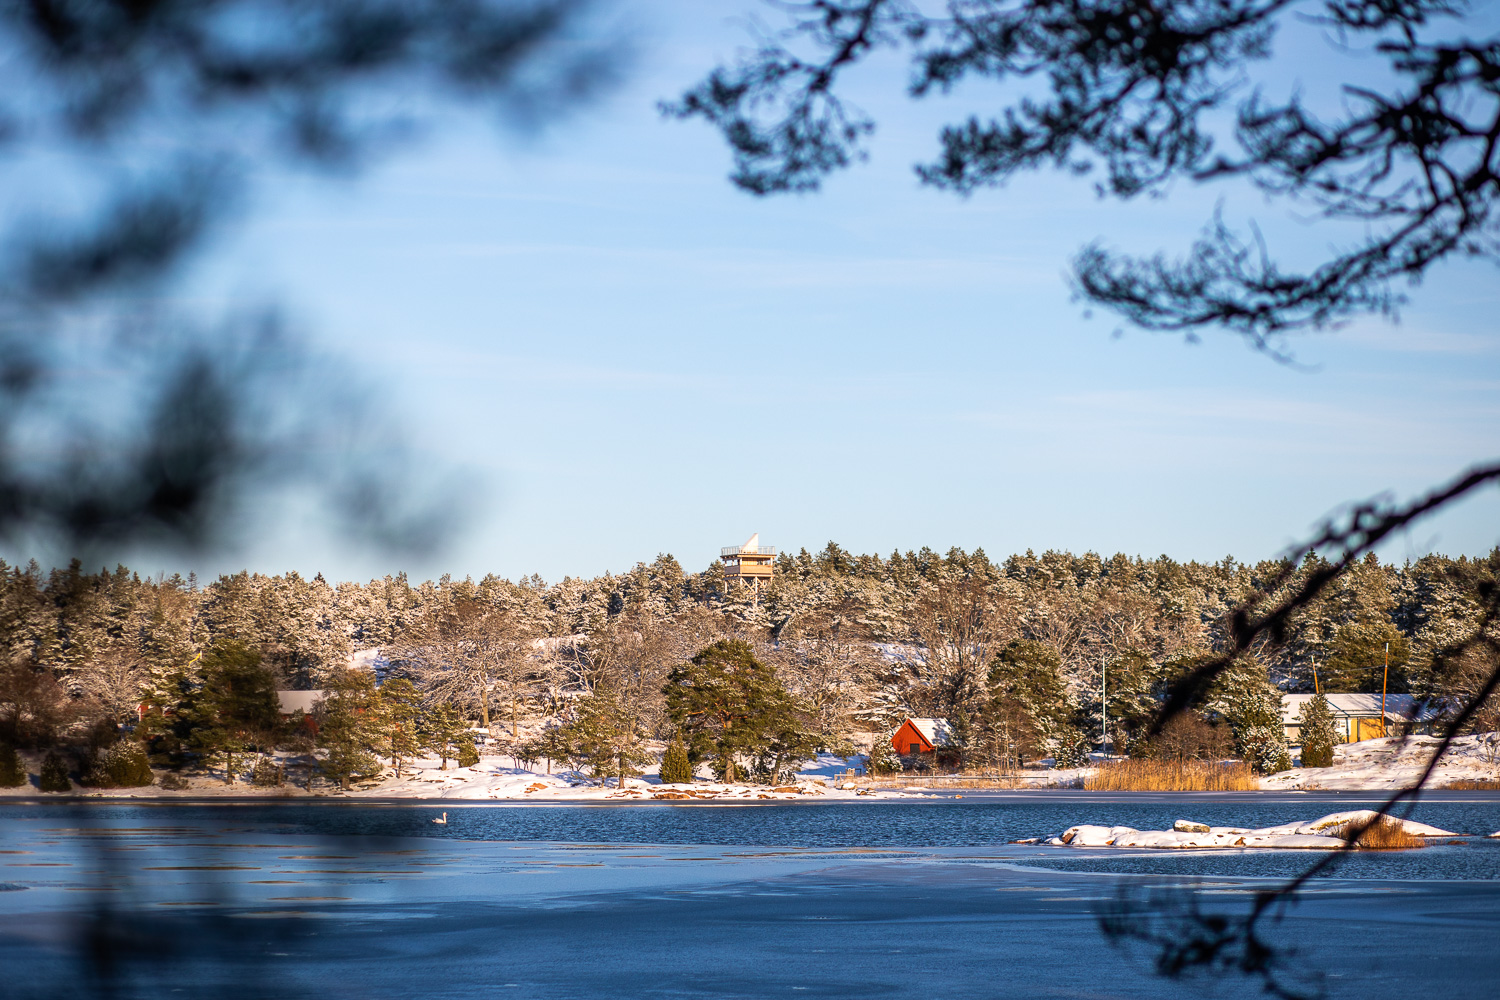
column 1103, row 707
column 1384, row 682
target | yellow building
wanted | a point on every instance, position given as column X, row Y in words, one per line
column 749, row 562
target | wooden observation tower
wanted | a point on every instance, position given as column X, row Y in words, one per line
column 750, row 562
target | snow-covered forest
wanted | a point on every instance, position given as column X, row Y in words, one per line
column 859, row 640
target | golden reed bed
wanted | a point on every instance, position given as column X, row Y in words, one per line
column 1385, row 834
column 1171, row 776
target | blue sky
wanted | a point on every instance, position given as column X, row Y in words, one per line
column 628, row 356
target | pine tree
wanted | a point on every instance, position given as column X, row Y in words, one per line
column 12, row 770
column 1361, row 652
column 676, row 769
column 54, row 777
column 1319, row 736
column 729, row 705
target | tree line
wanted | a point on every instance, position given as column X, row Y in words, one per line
column 1014, row 653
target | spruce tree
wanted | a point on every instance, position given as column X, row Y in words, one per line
column 1069, row 748
column 442, row 728
column 54, row 776
column 1319, row 736
column 12, row 770
column 124, row 765
column 676, row 768
column 468, row 754
column 399, row 720
column 961, row 736
column 234, row 712
column 1029, row 698
column 1244, row 697
column 882, row 759
column 267, row 773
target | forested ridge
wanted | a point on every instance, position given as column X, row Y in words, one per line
column 858, row 640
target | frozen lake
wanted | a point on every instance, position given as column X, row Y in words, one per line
column 888, row 899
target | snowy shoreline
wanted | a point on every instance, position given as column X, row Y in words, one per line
column 1377, row 766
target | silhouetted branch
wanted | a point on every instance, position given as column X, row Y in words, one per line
column 122, row 425
column 1126, row 84
column 1364, row 528
column 1185, row 938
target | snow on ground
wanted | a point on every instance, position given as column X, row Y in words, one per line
column 495, row 778
column 492, row 779
column 1373, row 765
column 1320, row 834
column 1395, row 763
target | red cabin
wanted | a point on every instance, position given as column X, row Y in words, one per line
column 919, row 736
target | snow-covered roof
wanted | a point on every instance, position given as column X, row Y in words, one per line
column 292, row 701
column 934, row 731
column 1365, row 706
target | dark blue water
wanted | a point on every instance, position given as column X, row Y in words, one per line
column 973, row 821
column 884, row 899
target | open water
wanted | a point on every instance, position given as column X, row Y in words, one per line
column 865, row 899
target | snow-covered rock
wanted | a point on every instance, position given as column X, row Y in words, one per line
column 1324, row 833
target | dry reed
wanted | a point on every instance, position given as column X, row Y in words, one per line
column 1474, row 785
column 1385, row 834
column 997, row 781
column 1171, row 776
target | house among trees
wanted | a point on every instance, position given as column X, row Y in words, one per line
column 1355, row 716
column 919, row 736
column 289, row 703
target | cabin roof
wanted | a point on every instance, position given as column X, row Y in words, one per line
column 935, row 731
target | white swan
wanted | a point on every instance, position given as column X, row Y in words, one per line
column 443, row 819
